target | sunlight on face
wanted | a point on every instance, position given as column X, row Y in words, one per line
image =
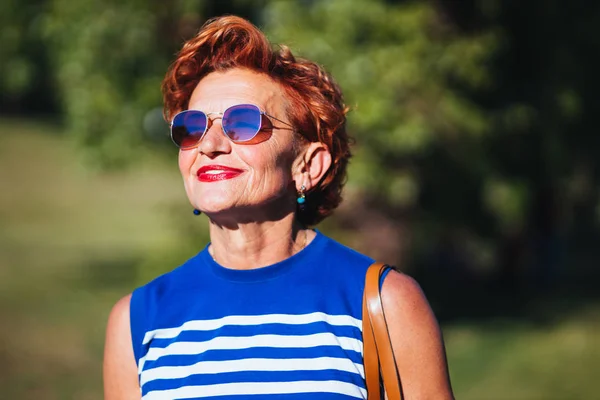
column 237, row 177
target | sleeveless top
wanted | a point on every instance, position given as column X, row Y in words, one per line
column 292, row 330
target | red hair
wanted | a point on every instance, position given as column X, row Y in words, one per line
column 317, row 110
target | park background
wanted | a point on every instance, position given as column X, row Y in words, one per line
column 476, row 171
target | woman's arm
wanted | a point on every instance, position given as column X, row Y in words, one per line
column 416, row 340
column 120, row 370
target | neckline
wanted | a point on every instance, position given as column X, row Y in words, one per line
column 263, row 273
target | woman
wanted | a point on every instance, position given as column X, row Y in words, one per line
column 269, row 307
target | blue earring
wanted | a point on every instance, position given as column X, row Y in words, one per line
column 301, row 197
column 197, row 212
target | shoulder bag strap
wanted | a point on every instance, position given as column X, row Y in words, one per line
column 377, row 347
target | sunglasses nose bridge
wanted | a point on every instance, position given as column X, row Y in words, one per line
column 217, row 115
column 211, row 118
column 215, row 139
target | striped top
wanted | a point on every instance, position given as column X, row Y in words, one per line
column 291, row 330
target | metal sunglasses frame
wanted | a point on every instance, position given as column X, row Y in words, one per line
column 209, row 123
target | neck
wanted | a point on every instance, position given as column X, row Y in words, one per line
column 255, row 245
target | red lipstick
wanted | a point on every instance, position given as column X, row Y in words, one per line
column 214, row 173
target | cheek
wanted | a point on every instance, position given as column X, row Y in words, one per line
column 270, row 168
column 186, row 160
column 260, row 158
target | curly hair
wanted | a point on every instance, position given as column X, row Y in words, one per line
column 317, row 110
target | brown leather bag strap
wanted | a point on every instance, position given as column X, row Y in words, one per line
column 370, row 357
column 377, row 347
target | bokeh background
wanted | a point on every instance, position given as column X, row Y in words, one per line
column 476, row 170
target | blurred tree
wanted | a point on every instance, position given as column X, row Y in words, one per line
column 406, row 69
column 475, row 118
column 408, row 72
column 25, row 76
column 547, row 89
column 108, row 61
column 109, row 58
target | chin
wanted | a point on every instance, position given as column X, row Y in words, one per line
column 211, row 200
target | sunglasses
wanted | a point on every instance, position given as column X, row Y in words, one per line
column 240, row 123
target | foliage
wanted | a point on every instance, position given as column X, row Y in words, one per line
column 109, row 59
column 407, row 74
column 465, row 116
column 399, row 66
column 24, row 73
column 108, row 68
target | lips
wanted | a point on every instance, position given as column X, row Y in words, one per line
column 214, row 173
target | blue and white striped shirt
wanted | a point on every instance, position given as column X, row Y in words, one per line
column 287, row 331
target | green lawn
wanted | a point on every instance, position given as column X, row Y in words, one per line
column 72, row 242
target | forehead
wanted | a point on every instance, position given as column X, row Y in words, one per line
column 219, row 90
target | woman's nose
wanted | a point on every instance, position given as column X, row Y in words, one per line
column 214, row 141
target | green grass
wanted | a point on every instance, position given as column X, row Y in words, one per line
column 509, row 360
column 70, row 245
column 72, row 242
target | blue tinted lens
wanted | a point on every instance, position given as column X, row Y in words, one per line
column 188, row 128
column 242, row 122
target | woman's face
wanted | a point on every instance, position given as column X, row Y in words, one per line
column 223, row 178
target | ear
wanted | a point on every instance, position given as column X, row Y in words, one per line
column 311, row 165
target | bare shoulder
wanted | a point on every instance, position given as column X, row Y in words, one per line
column 120, row 311
column 402, row 294
column 118, row 330
column 402, row 287
column 120, row 369
column 416, row 339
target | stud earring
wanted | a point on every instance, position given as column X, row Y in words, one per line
column 197, row 212
column 301, row 200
